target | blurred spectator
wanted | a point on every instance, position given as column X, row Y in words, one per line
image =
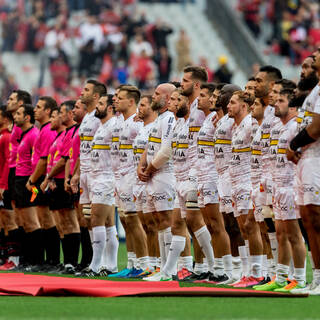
column 183, row 51
column 203, row 62
column 139, row 45
column 57, row 42
column 223, row 74
column 251, row 16
column 60, row 73
column 295, row 25
column 163, row 62
column 160, row 33
column 142, row 68
column 81, row 38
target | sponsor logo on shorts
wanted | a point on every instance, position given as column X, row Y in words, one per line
column 226, row 201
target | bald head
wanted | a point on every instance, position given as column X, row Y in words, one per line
column 166, row 88
column 161, row 96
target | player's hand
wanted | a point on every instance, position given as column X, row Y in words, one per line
column 1, row 193
column 67, row 186
column 215, row 119
column 293, row 156
column 44, row 184
column 52, row 185
column 74, row 183
column 137, row 119
column 29, row 186
column 141, row 171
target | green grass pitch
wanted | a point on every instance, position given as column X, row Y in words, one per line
column 166, row 308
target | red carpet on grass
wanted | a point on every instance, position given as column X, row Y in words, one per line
column 36, row 285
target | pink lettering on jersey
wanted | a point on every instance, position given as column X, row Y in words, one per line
column 42, row 144
column 24, row 152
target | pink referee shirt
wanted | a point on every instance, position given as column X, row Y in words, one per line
column 24, row 152
column 54, row 154
column 42, row 144
column 13, row 146
column 74, row 151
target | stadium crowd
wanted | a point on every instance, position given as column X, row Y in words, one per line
column 106, row 39
column 294, row 25
column 235, row 170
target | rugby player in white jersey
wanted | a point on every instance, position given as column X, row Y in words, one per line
column 192, row 79
column 179, row 157
column 275, row 127
column 127, row 100
column 241, row 185
column 222, row 156
column 155, row 168
column 284, row 206
column 308, row 172
column 265, row 79
column 208, row 197
column 147, row 115
column 90, row 96
column 102, row 195
column 179, row 226
column 114, row 154
column 257, row 112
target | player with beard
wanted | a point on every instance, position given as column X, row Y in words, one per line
column 192, row 79
column 241, row 185
column 308, row 173
column 275, row 127
column 284, row 206
column 208, row 197
column 265, row 79
column 24, row 119
column 156, row 168
column 51, row 238
column 105, row 242
column 147, row 115
column 250, row 87
column 308, row 77
column 222, row 157
column 185, row 261
column 179, row 158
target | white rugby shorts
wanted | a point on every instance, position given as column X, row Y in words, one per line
column 308, row 181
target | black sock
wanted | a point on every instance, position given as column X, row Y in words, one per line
column 3, row 246
column 52, row 245
column 72, row 242
column 14, row 243
column 74, row 246
column 37, row 247
column 23, row 245
column 65, row 249
column 86, row 247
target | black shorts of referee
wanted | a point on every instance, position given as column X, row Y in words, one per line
column 58, row 198
column 22, row 194
column 9, row 194
column 75, row 196
column 42, row 198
